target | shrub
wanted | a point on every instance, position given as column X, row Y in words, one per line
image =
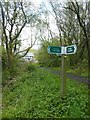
column 5, row 76
column 30, row 67
column 4, row 58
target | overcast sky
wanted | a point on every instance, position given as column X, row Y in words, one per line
column 26, row 31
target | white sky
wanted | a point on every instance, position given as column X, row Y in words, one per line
column 26, row 31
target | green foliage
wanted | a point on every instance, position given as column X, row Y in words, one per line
column 37, row 95
column 44, row 58
column 8, row 73
column 79, row 69
column 4, row 58
column 30, row 67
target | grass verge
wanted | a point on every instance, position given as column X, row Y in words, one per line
column 36, row 94
column 77, row 71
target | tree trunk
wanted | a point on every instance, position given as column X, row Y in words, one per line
column 9, row 59
column 63, row 79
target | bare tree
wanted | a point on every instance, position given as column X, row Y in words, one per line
column 84, row 22
column 13, row 20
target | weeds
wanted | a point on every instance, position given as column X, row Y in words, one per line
column 36, row 94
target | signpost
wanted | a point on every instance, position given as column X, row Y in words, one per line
column 54, row 50
column 62, row 50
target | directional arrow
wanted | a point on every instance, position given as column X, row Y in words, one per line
column 60, row 50
column 70, row 49
column 54, row 50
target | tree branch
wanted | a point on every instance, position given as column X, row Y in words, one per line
column 80, row 20
column 25, row 50
column 15, row 37
column 3, row 25
column 3, row 20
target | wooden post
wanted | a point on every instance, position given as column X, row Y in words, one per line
column 63, row 79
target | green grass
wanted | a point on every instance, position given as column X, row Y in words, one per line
column 78, row 71
column 75, row 70
column 36, row 94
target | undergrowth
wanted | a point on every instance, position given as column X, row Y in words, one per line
column 36, row 94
